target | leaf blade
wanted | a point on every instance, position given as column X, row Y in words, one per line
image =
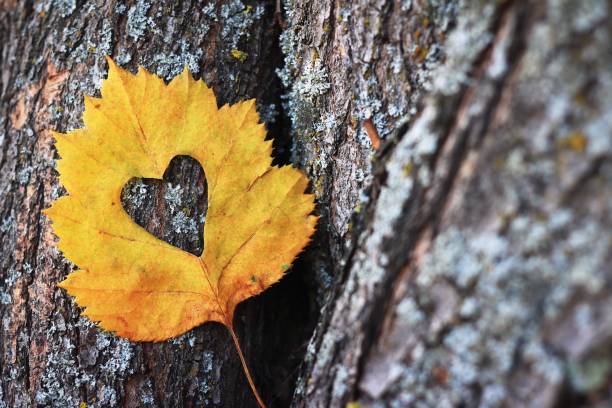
column 258, row 219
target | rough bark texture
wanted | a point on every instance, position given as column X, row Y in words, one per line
column 465, row 262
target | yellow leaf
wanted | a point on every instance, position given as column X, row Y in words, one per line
column 239, row 55
column 576, row 141
column 258, row 217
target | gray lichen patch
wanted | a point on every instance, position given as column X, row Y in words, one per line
column 183, row 225
column 136, row 192
column 137, row 19
column 169, row 65
column 312, row 82
column 71, row 367
column 173, row 196
column 65, row 7
column 238, row 18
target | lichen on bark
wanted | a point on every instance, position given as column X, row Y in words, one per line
column 464, row 262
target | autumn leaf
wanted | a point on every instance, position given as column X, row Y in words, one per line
column 258, row 218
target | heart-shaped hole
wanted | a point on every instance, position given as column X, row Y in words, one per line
column 174, row 208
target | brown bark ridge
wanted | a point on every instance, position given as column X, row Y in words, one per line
column 465, row 261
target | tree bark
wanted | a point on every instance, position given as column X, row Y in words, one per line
column 460, row 155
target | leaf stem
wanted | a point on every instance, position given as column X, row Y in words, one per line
column 245, row 367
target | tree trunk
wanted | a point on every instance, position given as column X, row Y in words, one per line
column 460, row 154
